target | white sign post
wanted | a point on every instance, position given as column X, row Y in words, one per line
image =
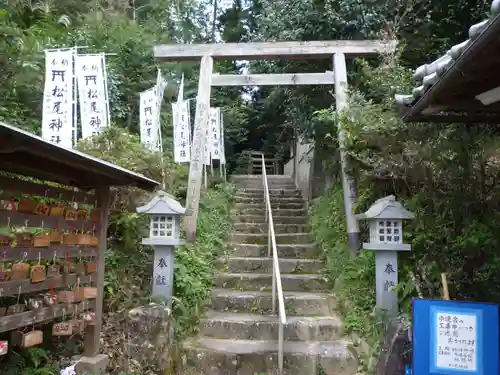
column 90, row 70
column 57, row 118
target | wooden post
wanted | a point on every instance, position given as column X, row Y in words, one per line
column 348, row 185
column 93, row 332
column 197, row 150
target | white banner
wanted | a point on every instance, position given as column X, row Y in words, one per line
column 214, row 133
column 94, row 108
column 149, row 119
column 58, row 115
column 161, row 84
column 182, row 132
column 222, row 148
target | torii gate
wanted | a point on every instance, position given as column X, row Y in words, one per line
column 336, row 49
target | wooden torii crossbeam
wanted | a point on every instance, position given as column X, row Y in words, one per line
column 337, row 50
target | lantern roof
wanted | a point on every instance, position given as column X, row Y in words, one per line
column 386, row 208
column 162, row 203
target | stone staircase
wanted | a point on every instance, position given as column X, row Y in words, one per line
column 238, row 334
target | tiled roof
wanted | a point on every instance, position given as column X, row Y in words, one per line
column 425, row 76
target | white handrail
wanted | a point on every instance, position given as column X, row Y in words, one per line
column 271, row 248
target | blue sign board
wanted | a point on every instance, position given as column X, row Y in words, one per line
column 455, row 338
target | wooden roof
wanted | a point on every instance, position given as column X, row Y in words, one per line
column 446, row 89
column 27, row 154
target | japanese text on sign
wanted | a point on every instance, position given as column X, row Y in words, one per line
column 206, row 148
column 149, row 119
column 182, row 131
column 456, row 341
column 57, row 118
column 214, row 134
column 94, row 108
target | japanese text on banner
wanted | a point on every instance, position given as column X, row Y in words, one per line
column 57, row 117
column 214, row 134
column 92, row 92
column 149, row 119
column 182, row 131
column 161, row 84
column 222, row 148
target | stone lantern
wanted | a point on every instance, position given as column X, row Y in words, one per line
column 164, row 234
column 385, row 220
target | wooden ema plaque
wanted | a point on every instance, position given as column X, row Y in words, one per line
column 66, row 296
column 38, row 274
column 82, row 214
column 80, row 269
column 53, row 271
column 95, row 215
column 42, row 209
column 20, row 271
column 41, row 240
column 70, row 214
column 4, row 347
column 62, row 329
column 26, row 340
column 91, row 268
column 26, row 205
column 56, row 211
column 83, row 293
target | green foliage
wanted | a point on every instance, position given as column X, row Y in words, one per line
column 32, row 361
column 353, row 276
column 194, row 263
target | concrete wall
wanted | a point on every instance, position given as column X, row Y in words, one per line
column 304, row 168
column 307, row 170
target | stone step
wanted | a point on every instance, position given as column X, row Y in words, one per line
column 271, row 187
column 263, row 228
column 276, row 212
column 261, row 238
column 274, row 199
column 237, row 177
column 296, row 303
column 284, row 250
column 263, row 282
column 238, row 326
column 278, row 193
column 214, row 356
column 259, row 184
column 243, row 218
column 276, row 205
column 265, row 264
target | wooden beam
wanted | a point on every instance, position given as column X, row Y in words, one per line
column 28, row 318
column 272, row 50
column 348, row 183
column 197, row 149
column 93, row 332
column 286, row 79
